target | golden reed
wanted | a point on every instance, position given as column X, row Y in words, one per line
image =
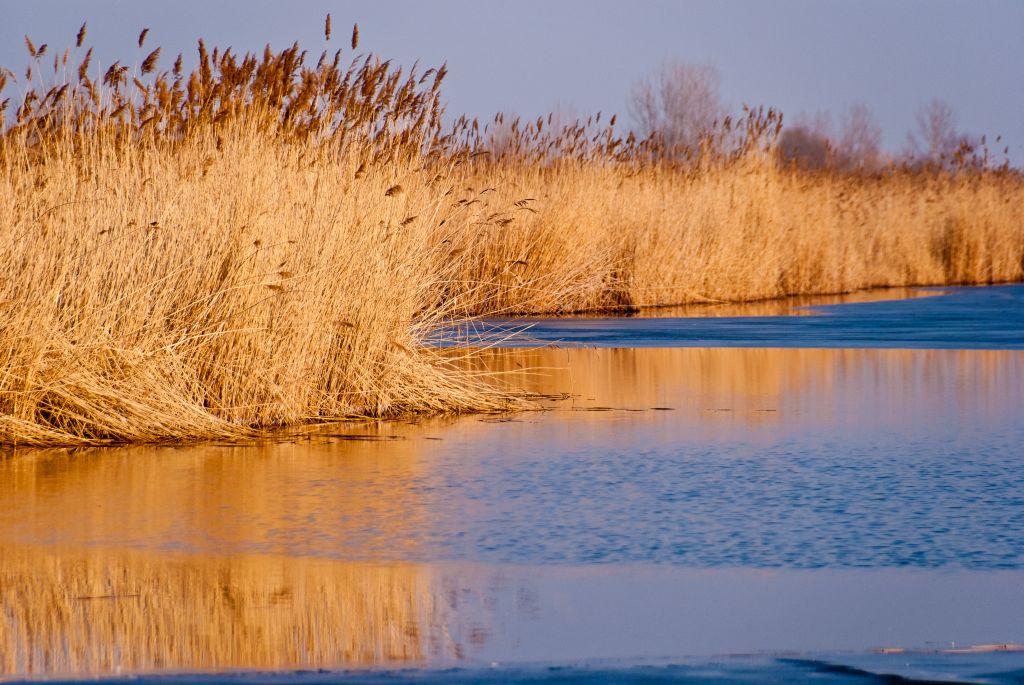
column 268, row 239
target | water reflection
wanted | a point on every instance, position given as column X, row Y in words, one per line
column 291, row 497
column 775, row 385
column 990, row 317
column 103, row 612
column 702, row 457
column 665, row 502
column 94, row 613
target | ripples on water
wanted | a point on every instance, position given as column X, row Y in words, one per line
column 794, row 458
column 667, row 502
column 965, row 318
column 70, row 612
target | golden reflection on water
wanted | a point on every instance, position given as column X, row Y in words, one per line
column 324, row 493
column 104, row 612
column 200, row 557
column 278, row 498
column 764, row 384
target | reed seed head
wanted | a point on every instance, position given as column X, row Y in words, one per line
column 149, row 64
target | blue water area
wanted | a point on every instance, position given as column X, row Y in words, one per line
column 997, row 669
column 694, row 457
column 828, row 498
column 960, row 318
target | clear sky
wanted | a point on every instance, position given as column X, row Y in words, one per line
column 530, row 56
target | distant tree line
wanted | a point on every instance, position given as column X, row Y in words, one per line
column 680, row 105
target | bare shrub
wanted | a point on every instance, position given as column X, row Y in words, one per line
column 812, row 143
column 859, row 144
column 807, row 144
column 679, row 103
column 934, row 140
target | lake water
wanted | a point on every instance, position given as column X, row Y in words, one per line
column 947, row 318
column 825, row 513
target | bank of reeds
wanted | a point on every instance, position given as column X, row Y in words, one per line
column 254, row 244
column 268, row 239
column 734, row 225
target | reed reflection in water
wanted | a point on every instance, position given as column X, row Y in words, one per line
column 300, row 497
column 804, row 430
column 327, row 548
column 806, row 385
column 103, row 612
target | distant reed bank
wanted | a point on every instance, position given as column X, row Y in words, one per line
column 269, row 239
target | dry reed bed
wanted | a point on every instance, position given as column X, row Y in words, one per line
column 252, row 245
column 746, row 230
column 261, row 241
column 161, row 297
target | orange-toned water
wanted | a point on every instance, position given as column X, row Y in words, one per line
column 662, row 503
column 698, row 457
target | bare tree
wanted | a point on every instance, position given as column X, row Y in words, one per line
column 934, row 138
column 680, row 102
column 820, row 123
column 860, row 140
column 812, row 143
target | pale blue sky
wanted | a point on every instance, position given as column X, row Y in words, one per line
column 531, row 56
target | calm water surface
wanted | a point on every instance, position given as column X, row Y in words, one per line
column 693, row 514
column 950, row 318
column 702, row 458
